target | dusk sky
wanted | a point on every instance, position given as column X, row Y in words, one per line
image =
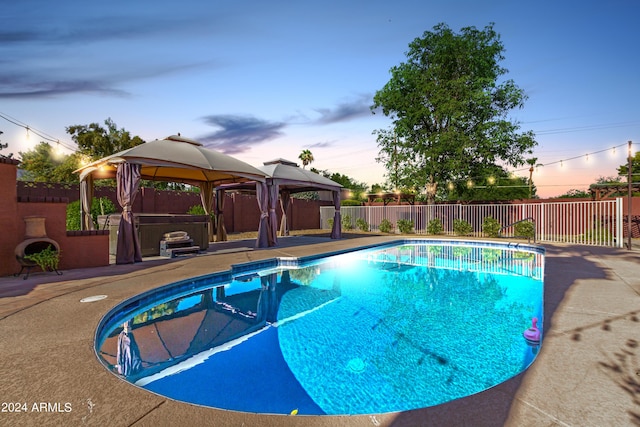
column 264, row 80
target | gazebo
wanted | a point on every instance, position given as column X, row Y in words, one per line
column 284, row 178
column 174, row 159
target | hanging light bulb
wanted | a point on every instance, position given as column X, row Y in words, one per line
column 27, row 132
column 450, row 186
column 491, row 180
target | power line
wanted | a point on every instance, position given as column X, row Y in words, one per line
column 586, row 128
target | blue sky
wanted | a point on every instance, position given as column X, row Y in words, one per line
column 262, row 80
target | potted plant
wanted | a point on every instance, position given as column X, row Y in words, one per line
column 47, row 259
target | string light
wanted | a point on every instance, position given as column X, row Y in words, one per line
column 513, row 175
column 41, row 134
column 561, row 162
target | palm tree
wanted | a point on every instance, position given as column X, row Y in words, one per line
column 306, row 158
column 531, row 162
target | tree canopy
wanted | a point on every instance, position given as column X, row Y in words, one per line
column 45, row 164
column 623, row 170
column 493, row 185
column 5, row 145
column 450, row 111
column 97, row 142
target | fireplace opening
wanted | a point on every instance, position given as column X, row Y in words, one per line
column 36, row 241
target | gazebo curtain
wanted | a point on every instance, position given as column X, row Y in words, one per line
column 86, row 197
column 285, row 201
column 273, row 217
column 262, row 195
column 221, row 231
column 206, row 196
column 128, row 247
column 336, row 230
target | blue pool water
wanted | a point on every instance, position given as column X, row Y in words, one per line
column 387, row 328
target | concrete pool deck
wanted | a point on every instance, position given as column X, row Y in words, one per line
column 586, row 374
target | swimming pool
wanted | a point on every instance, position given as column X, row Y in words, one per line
column 386, row 328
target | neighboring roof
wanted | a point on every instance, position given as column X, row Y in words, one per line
column 176, row 159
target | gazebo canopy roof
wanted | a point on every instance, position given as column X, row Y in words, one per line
column 290, row 177
column 176, row 159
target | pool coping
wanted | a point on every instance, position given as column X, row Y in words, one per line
column 592, row 305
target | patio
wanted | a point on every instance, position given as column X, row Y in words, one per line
column 587, row 372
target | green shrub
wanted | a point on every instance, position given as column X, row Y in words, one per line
column 362, row 224
column 491, row 255
column 385, row 226
column 521, row 255
column 99, row 206
column 351, row 202
column 196, row 210
column 460, row 251
column 47, row 259
column 346, row 222
column 524, row 229
column 435, row 250
column 462, row 227
column 599, row 232
column 199, row 210
column 491, row 227
column 405, row 226
column 435, row 226
column 330, row 222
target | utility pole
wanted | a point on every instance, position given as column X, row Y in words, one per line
column 629, row 199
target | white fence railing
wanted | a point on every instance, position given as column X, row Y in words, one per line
column 584, row 222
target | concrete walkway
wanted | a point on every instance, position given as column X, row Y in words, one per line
column 586, row 374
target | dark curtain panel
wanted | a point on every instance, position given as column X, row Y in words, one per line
column 336, row 230
column 128, row 181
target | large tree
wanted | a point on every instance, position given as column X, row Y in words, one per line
column 449, row 108
column 96, row 141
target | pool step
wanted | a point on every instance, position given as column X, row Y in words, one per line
column 173, row 252
column 180, row 247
